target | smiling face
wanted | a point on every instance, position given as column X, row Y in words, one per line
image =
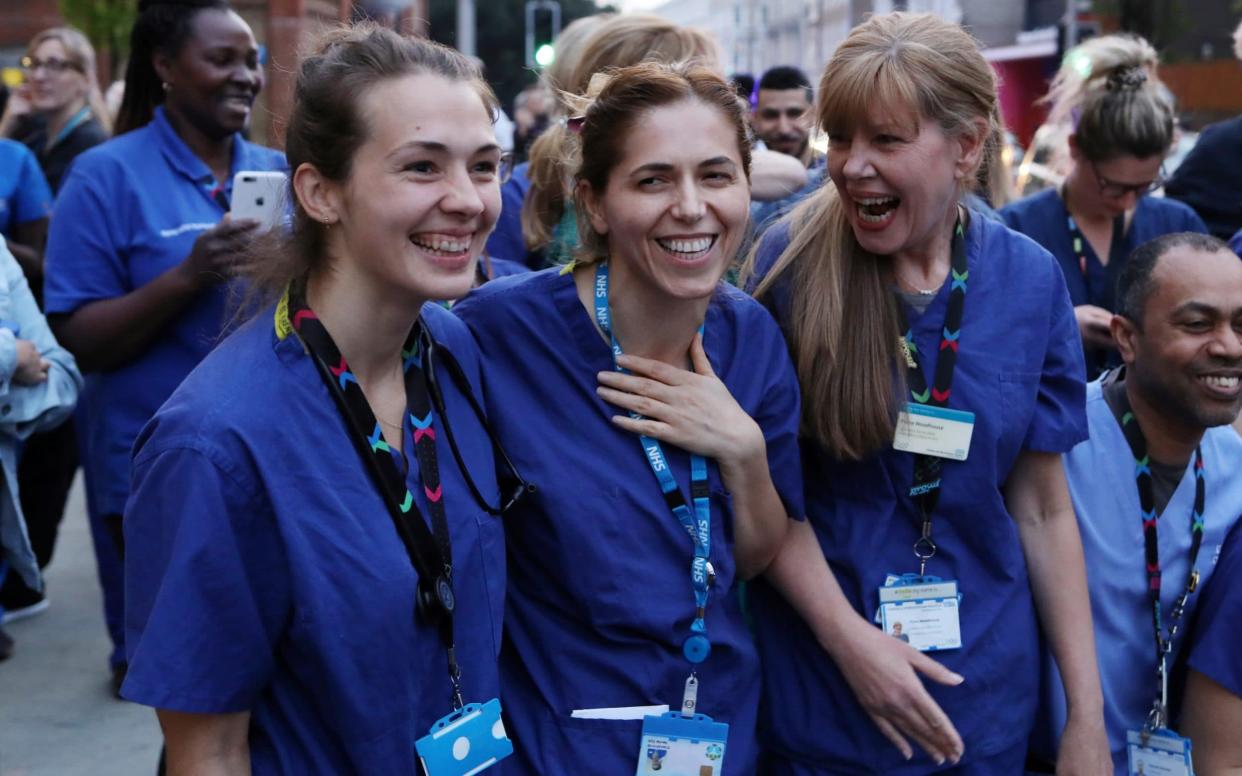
column 782, row 120
column 214, row 78
column 58, row 81
column 423, row 191
column 1186, row 359
column 674, row 212
column 899, row 177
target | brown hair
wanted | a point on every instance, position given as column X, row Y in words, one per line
column 618, row 42
column 843, row 325
column 328, row 126
column 82, row 54
column 617, row 100
column 1107, row 89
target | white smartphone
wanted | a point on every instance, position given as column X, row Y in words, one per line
column 261, row 196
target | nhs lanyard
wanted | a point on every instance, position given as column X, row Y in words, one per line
column 696, row 647
column 925, row 490
column 1158, row 718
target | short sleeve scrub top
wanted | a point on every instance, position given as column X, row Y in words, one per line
column 600, row 596
column 1018, row 370
column 264, row 572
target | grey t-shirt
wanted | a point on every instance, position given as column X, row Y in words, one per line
column 1165, row 477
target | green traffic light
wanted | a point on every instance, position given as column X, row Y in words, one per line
column 545, row 55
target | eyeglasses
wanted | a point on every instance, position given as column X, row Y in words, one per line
column 30, row 65
column 1114, row 189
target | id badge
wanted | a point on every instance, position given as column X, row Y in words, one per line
column 936, row 431
column 468, row 741
column 922, row 611
column 677, row 745
column 1162, row 753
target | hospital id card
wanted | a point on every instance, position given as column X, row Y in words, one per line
column 923, row 612
column 935, row 431
column 674, row 744
column 1160, row 753
column 468, row 741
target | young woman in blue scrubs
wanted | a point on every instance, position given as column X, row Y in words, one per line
column 1123, row 125
column 893, row 298
column 272, row 614
column 612, row 605
column 140, row 246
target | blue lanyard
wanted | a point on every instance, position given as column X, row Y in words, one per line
column 78, row 118
column 697, row 646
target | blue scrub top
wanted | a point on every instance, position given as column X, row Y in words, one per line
column 128, row 211
column 264, row 572
column 1214, row 640
column 506, row 241
column 1043, row 218
column 600, row 596
column 1018, row 370
column 24, row 193
column 1101, row 480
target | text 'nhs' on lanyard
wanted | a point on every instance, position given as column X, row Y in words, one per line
column 1154, row 738
column 430, row 550
column 919, row 609
column 697, row 646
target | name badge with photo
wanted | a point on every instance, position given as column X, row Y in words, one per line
column 674, row 744
column 922, row 611
column 1161, row 753
column 935, row 431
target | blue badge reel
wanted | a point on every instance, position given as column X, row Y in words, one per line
column 468, row 741
column 922, row 611
column 1160, row 753
column 674, row 744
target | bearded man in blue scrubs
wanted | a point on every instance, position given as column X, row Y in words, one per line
column 1156, row 487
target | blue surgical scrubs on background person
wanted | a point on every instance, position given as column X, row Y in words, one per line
column 1213, row 641
column 140, row 249
column 1019, row 371
column 599, row 594
column 24, row 193
column 506, row 241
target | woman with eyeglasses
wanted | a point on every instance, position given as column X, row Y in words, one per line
column 58, row 114
column 315, row 569
column 141, row 246
column 1122, row 128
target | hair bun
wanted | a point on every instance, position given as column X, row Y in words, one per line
column 1127, row 78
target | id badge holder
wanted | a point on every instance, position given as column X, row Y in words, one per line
column 675, row 744
column 468, row 741
column 938, row 431
column 923, row 611
column 1159, row 753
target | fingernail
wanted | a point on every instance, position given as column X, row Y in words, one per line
column 959, row 678
column 939, row 760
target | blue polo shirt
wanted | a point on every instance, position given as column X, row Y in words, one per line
column 264, row 573
column 24, row 193
column 600, row 595
column 128, row 211
column 1018, row 370
column 1043, row 218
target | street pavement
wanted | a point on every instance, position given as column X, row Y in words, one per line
column 57, row 713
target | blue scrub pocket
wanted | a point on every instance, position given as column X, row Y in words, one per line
column 604, row 746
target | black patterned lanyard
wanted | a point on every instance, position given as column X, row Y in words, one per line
column 1147, row 504
column 926, row 488
column 431, row 555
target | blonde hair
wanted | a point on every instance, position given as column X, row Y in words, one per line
column 1108, row 91
column 81, row 53
column 569, row 45
column 843, row 325
column 620, row 41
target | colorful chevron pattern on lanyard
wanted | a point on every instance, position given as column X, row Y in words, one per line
column 925, row 490
column 430, row 550
column 1142, row 476
column 699, row 525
